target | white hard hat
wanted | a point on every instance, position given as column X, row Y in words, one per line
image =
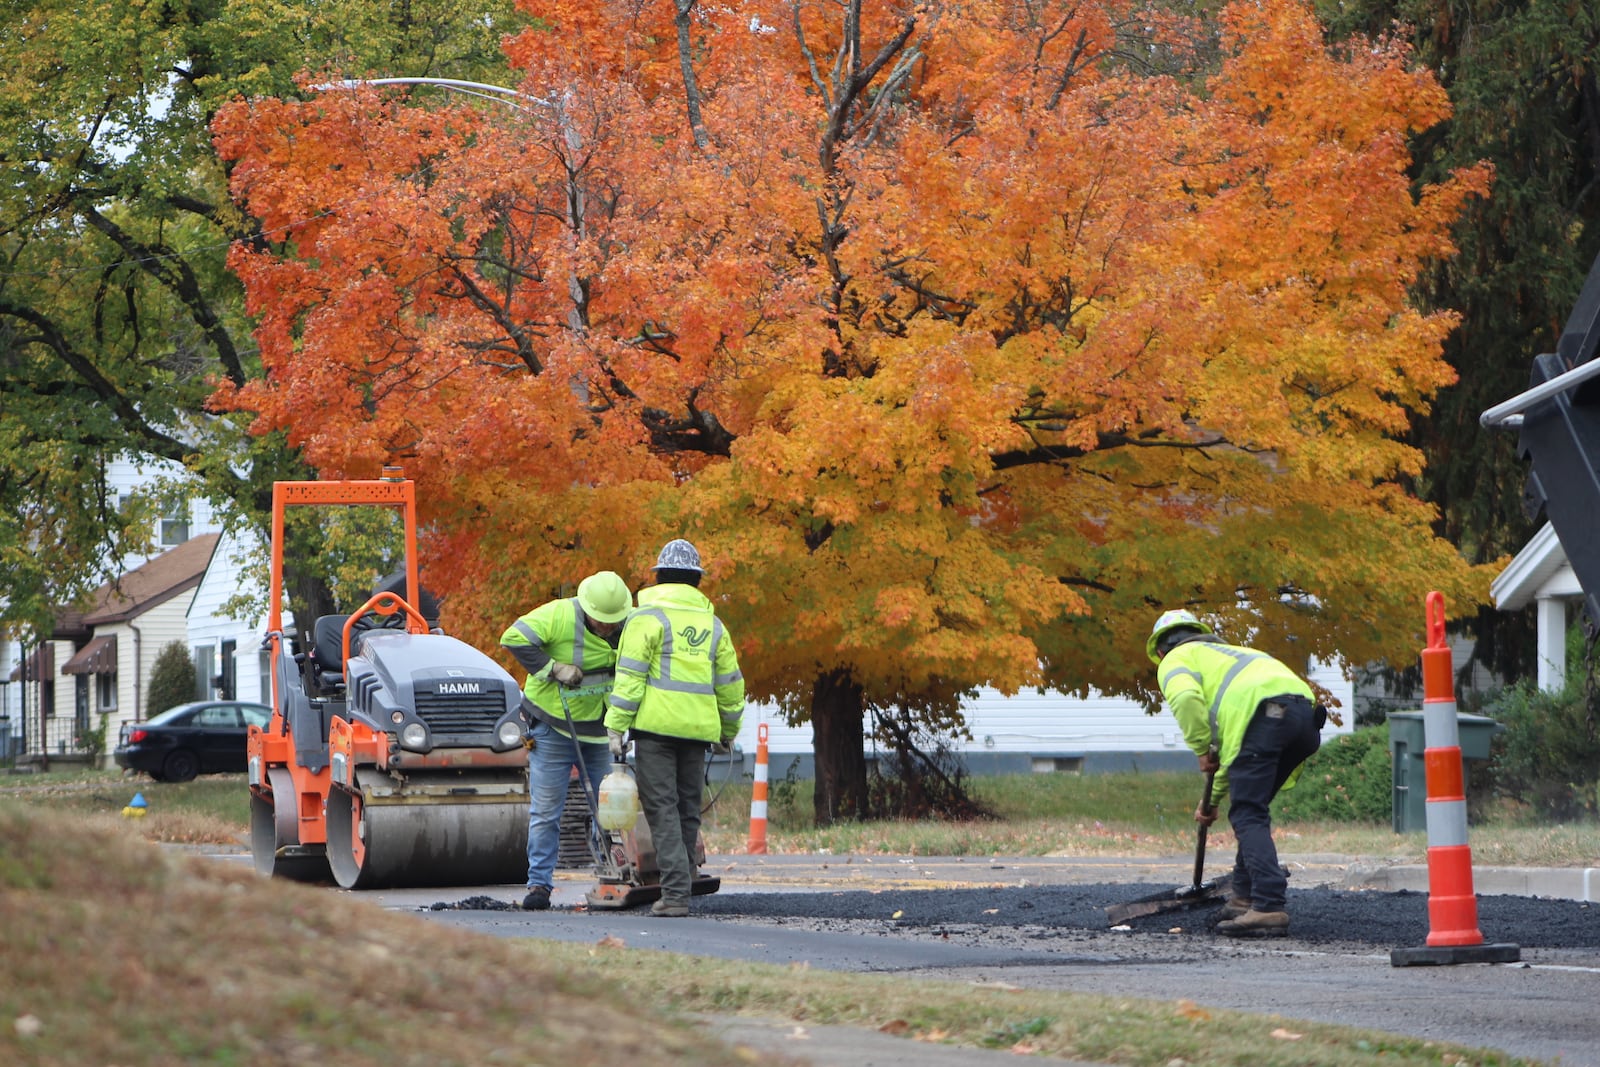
column 679, row 555
column 1168, row 621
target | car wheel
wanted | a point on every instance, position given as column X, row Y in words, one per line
column 181, row 766
column 158, row 776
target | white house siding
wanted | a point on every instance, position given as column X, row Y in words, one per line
column 1039, row 732
column 124, row 475
column 157, row 628
column 209, row 628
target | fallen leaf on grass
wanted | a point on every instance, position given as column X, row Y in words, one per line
column 894, row 1026
column 1022, row 1048
column 1286, row 1035
column 1190, row 1010
column 610, row 941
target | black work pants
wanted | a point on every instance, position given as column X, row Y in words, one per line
column 1282, row 735
column 671, row 773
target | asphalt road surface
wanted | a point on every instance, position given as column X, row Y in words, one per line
column 919, row 921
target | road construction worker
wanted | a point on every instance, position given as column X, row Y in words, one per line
column 678, row 690
column 1252, row 722
column 565, row 643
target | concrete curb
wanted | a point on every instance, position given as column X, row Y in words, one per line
column 1556, row 883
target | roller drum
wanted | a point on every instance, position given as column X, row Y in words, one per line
column 388, row 843
column 275, row 835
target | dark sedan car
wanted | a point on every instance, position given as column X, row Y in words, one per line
column 206, row 737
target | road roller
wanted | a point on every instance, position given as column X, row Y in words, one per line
column 394, row 756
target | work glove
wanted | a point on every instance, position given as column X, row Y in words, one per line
column 566, row 673
column 618, row 745
column 719, row 748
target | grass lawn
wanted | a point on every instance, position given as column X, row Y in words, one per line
column 1044, row 814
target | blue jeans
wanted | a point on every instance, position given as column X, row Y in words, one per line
column 1282, row 735
column 550, row 766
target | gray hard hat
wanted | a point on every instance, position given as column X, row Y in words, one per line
column 679, row 555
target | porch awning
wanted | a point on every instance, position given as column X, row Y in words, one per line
column 41, row 663
column 97, row 657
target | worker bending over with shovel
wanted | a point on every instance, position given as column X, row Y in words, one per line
column 569, row 642
column 679, row 690
column 1253, row 722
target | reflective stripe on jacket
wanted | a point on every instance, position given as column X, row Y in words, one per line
column 1214, row 689
column 677, row 671
column 548, row 632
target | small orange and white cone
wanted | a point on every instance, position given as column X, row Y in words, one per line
column 757, row 845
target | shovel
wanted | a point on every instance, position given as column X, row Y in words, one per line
column 1197, row 895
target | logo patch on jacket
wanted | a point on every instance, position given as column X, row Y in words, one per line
column 696, row 638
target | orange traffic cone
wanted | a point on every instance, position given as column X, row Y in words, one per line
column 758, row 798
column 1453, row 935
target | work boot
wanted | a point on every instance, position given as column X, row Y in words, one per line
column 1235, row 907
column 1256, row 924
column 669, row 909
column 538, row 899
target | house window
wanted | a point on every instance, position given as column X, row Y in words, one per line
column 175, row 526
column 106, row 691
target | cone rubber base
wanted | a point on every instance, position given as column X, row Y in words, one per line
column 1444, row 955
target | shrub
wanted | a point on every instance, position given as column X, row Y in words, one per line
column 173, row 679
column 1548, row 756
column 1350, row 779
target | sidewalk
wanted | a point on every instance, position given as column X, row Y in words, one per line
column 1555, row 883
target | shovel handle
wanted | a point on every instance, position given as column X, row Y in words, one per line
column 1200, row 843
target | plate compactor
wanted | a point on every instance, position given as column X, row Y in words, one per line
column 394, row 755
column 626, row 872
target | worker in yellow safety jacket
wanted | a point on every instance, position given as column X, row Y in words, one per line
column 565, row 644
column 679, row 691
column 1252, row 722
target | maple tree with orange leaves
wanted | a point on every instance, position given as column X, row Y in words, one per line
column 961, row 338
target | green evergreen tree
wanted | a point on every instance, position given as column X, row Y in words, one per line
column 173, row 680
column 1522, row 76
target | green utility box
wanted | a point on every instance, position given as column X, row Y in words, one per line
column 1408, row 740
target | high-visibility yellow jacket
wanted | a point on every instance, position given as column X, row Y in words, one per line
column 677, row 671
column 547, row 635
column 1214, row 690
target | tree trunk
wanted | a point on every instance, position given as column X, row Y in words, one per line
column 837, row 719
